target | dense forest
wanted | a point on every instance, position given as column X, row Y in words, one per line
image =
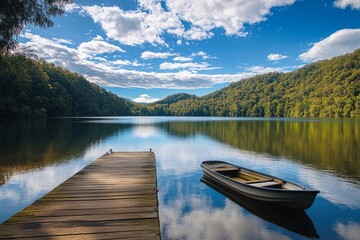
column 328, row 88
column 35, row 88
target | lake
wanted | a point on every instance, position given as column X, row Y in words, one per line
column 36, row 155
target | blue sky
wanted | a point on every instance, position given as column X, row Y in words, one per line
column 147, row 49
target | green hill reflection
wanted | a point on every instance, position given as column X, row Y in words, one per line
column 326, row 144
column 27, row 144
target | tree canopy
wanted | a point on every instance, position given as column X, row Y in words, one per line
column 35, row 88
column 15, row 14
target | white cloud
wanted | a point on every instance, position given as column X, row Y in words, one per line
column 50, row 49
column 276, row 57
column 256, row 70
column 97, row 46
column 150, row 21
column 183, row 59
column 125, row 27
column 107, row 72
column 152, row 55
column 189, row 65
column 339, row 43
column 145, row 24
column 197, row 33
column 202, row 54
column 355, row 4
column 144, row 98
column 64, row 41
column 230, row 15
column 122, row 62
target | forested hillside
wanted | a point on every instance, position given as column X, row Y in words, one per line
column 35, row 88
column 328, row 88
column 175, row 98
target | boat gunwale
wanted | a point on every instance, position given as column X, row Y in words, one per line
column 304, row 189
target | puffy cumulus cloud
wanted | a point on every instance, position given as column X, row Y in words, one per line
column 152, row 55
column 186, row 19
column 339, row 43
column 107, row 72
column 276, row 57
column 145, row 24
column 125, row 27
column 144, row 98
column 230, row 15
column 354, row 4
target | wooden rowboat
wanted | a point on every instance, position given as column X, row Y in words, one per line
column 259, row 186
column 292, row 219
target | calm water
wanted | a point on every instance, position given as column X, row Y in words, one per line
column 37, row 155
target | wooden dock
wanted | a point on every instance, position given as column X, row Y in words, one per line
column 115, row 197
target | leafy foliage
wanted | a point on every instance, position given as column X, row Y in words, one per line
column 15, row 14
column 32, row 88
column 328, row 88
column 176, row 98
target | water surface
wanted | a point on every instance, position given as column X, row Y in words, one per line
column 37, row 155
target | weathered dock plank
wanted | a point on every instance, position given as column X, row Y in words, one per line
column 115, row 197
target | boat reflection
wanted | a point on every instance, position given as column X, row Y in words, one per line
column 291, row 219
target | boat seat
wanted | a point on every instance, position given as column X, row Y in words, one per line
column 260, row 180
column 267, row 184
column 225, row 169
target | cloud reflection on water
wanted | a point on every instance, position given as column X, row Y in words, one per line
column 349, row 231
column 334, row 189
column 23, row 188
column 204, row 221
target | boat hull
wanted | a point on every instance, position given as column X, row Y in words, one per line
column 300, row 199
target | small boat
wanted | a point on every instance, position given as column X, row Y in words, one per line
column 292, row 219
column 259, row 186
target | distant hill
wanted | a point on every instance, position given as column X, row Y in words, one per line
column 35, row 88
column 328, row 88
column 175, row 98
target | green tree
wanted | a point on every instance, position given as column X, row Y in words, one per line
column 16, row 14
